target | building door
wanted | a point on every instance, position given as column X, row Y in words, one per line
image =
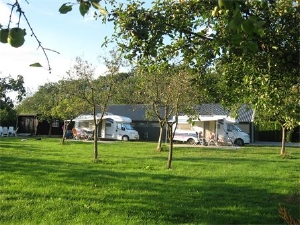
column 109, row 130
column 27, row 124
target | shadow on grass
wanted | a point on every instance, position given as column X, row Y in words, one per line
column 148, row 196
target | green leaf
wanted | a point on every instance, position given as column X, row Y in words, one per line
column 96, row 5
column 35, row 65
column 84, row 7
column 65, row 8
column 236, row 39
column 252, row 46
column 247, row 26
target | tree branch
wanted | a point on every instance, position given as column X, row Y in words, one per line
column 21, row 13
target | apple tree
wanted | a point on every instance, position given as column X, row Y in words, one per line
column 94, row 90
column 69, row 105
column 15, row 36
column 267, row 76
column 167, row 88
column 253, row 41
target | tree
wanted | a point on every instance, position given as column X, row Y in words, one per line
column 253, row 41
column 125, row 89
column 85, row 88
column 209, row 87
column 260, row 77
column 123, row 82
column 43, row 103
column 167, row 89
column 94, row 91
column 69, row 105
column 53, row 101
column 8, row 88
column 201, row 33
column 167, row 28
column 274, row 99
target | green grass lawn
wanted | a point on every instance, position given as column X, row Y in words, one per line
column 44, row 182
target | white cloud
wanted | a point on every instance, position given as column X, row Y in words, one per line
column 5, row 10
column 16, row 61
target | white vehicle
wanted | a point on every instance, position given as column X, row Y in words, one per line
column 223, row 128
column 231, row 132
column 188, row 136
column 113, row 127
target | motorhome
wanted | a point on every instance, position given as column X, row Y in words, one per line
column 112, row 127
column 221, row 128
column 230, row 132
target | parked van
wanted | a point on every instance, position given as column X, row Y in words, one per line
column 187, row 136
column 227, row 131
column 113, row 127
column 223, row 129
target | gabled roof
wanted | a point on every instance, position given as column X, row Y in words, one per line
column 137, row 112
column 211, row 109
column 245, row 114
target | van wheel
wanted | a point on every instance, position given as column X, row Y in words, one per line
column 125, row 138
column 191, row 141
column 239, row 142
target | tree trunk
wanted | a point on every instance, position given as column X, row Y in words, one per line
column 96, row 143
column 170, row 147
column 282, row 152
column 63, row 139
column 159, row 144
column 65, row 129
column 95, row 135
column 170, row 155
column 63, row 136
column 50, row 129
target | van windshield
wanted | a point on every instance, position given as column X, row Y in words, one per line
column 128, row 126
column 237, row 128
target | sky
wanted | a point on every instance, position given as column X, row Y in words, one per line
column 69, row 34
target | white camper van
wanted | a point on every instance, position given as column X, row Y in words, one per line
column 223, row 128
column 113, row 127
column 228, row 131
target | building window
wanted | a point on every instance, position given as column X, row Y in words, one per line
column 55, row 123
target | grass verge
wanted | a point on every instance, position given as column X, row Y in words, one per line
column 44, row 182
